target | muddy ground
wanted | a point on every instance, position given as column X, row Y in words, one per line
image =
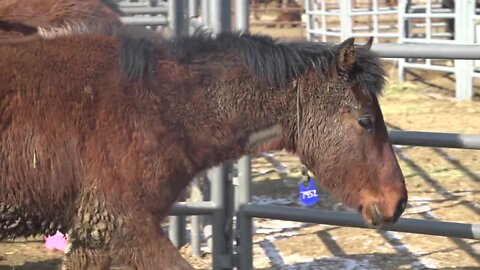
column 443, row 184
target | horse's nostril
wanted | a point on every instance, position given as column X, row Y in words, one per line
column 402, row 204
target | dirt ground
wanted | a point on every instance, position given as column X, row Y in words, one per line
column 443, row 184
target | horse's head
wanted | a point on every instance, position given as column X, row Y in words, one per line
column 342, row 137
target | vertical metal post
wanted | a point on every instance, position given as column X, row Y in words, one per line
column 242, row 15
column 177, row 228
column 217, row 176
column 220, row 18
column 428, row 27
column 230, row 190
column 196, row 195
column 176, row 21
column 192, row 8
column 206, row 12
column 244, row 223
column 153, row 3
column 345, row 19
column 220, row 21
column 401, row 35
column 192, row 14
column 207, row 220
column 324, row 20
column 243, row 195
column 464, row 27
column 375, row 20
column 310, row 19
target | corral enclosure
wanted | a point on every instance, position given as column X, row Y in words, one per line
column 444, row 184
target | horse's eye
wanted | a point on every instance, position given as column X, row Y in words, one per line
column 366, row 123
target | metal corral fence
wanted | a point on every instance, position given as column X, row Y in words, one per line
column 408, row 22
column 231, row 197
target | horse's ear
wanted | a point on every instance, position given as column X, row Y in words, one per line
column 346, row 54
column 367, row 46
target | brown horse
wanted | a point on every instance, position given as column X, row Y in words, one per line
column 99, row 134
column 24, row 17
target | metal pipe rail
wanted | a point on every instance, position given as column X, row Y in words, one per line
column 435, row 139
column 193, row 208
column 431, row 15
column 427, row 51
column 131, row 5
column 346, row 219
column 144, row 10
column 144, row 21
column 408, row 225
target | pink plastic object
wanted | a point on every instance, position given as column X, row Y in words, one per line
column 57, row 241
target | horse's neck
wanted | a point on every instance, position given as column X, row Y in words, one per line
column 237, row 118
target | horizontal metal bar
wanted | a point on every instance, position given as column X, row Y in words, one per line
column 129, row 5
column 145, row 10
column 426, row 15
column 323, row 32
column 426, row 41
column 419, row 226
column 435, row 9
column 124, row 4
column 157, row 20
column 429, row 67
column 323, row 12
column 378, row 34
column 435, row 139
column 358, row 34
column 359, row 28
column 433, row 24
column 379, row 13
column 427, row 51
column 193, row 208
column 356, row 10
column 476, row 75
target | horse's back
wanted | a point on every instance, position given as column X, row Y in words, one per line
column 41, row 13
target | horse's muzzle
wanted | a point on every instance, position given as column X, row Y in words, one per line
column 377, row 217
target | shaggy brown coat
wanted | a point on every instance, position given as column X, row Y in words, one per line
column 99, row 134
column 24, row 17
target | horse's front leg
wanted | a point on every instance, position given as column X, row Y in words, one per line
column 85, row 258
column 91, row 232
column 144, row 246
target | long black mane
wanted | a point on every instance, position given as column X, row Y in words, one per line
column 272, row 61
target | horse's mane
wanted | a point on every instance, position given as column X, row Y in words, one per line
column 274, row 62
column 278, row 63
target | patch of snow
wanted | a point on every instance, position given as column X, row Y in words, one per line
column 276, row 229
column 264, row 199
column 301, row 262
column 279, row 166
